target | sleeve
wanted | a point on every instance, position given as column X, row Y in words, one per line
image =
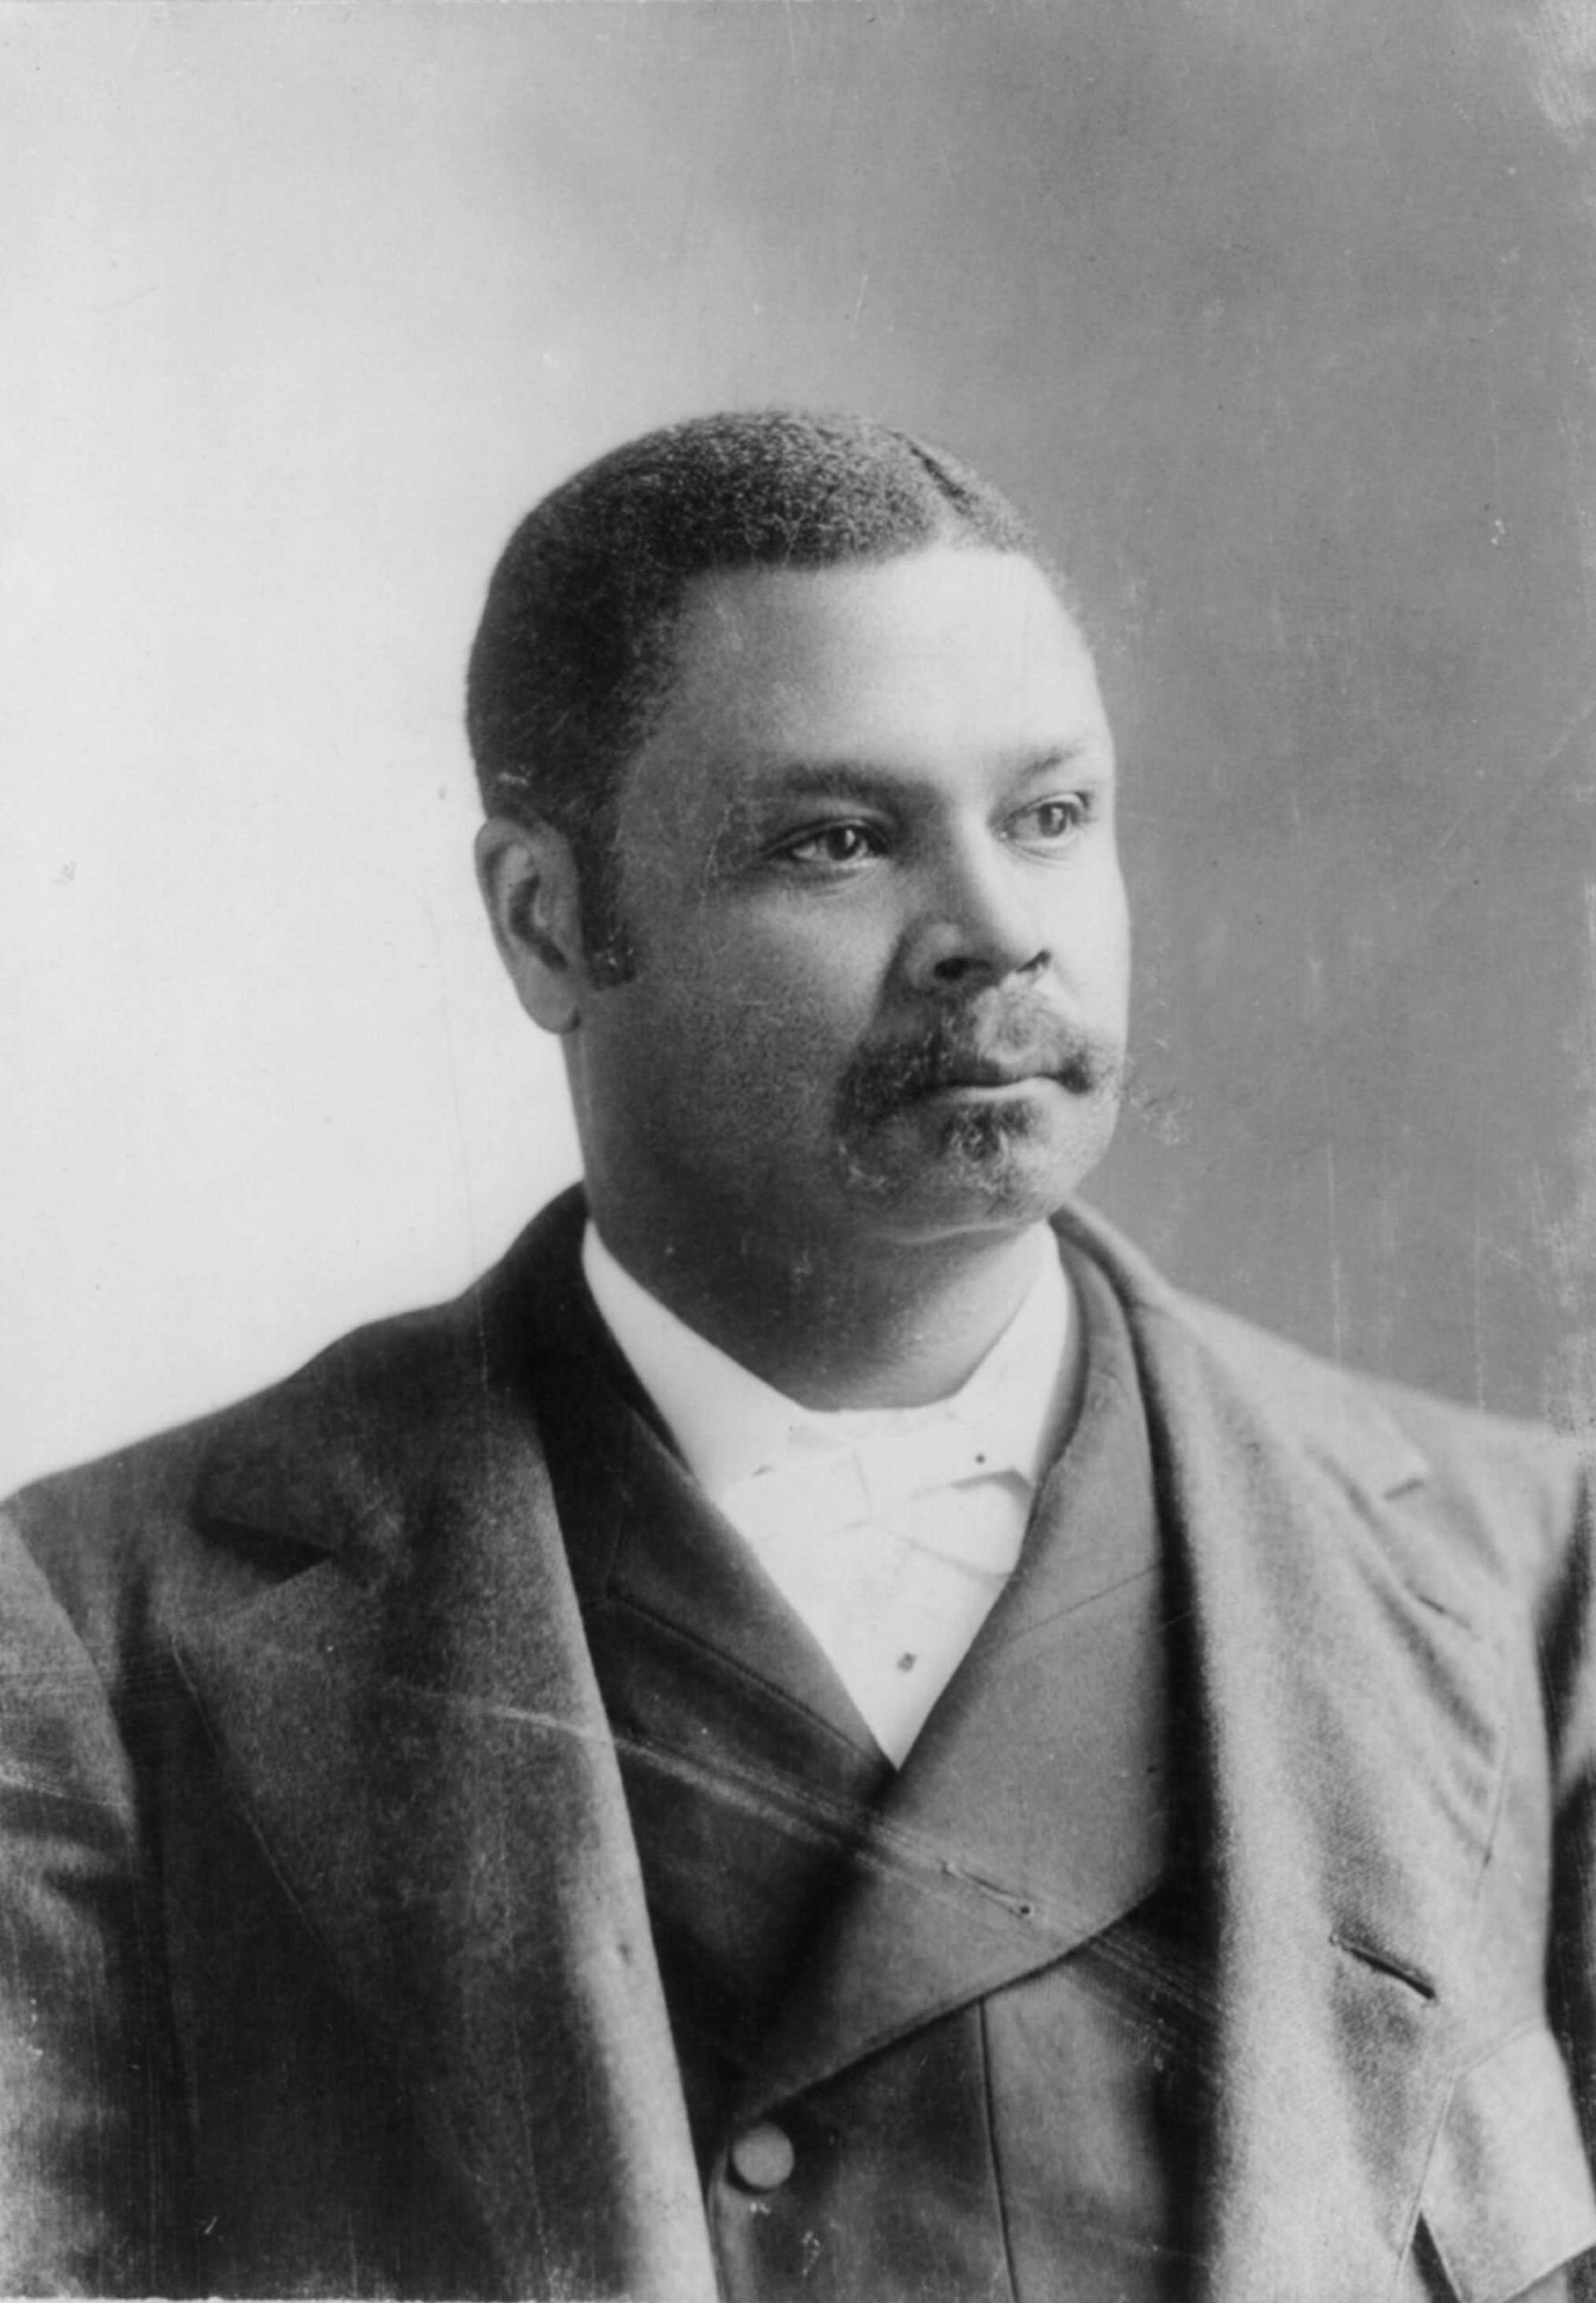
column 80, row 2183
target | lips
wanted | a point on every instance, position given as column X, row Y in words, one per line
column 985, row 1073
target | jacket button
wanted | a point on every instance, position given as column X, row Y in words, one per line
column 762, row 2157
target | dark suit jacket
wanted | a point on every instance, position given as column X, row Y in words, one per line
column 326, row 1963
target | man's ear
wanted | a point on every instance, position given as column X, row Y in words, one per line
column 528, row 875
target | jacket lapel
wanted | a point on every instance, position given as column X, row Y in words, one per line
column 415, row 1732
column 1339, row 1681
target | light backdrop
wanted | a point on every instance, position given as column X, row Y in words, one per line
column 1279, row 318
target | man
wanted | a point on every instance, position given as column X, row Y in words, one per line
column 822, row 1733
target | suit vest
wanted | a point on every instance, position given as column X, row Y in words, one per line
column 938, row 2028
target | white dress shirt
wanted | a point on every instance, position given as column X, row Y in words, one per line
column 891, row 1531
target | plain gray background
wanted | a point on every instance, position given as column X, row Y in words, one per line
column 1280, row 318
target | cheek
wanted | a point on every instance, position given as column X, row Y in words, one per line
column 817, row 977
column 741, row 1028
column 1094, row 936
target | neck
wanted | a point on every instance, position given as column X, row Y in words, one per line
column 889, row 1324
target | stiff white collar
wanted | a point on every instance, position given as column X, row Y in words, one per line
column 730, row 1425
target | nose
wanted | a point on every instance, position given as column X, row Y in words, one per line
column 974, row 926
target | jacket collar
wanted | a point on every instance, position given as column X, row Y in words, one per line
column 335, row 1453
column 1337, row 1683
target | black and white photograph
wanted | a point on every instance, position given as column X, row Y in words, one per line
column 797, row 1379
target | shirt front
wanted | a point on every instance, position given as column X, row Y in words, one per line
column 891, row 1531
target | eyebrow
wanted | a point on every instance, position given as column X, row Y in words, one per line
column 857, row 780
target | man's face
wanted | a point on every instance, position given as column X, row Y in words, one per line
column 868, row 869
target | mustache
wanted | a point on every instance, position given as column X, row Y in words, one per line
column 1021, row 1037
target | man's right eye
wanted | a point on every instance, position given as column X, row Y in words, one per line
column 833, row 846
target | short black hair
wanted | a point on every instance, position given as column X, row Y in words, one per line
column 574, row 656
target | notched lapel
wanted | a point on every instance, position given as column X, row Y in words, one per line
column 1353, row 1745
column 414, row 1731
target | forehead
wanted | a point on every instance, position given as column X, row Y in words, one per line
column 947, row 656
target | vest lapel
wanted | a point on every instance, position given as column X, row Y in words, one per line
column 1031, row 1811
column 415, row 1733
column 748, row 1772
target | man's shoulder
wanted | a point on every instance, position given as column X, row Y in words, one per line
column 1331, row 1397
column 1477, row 1472
column 332, row 1453
column 125, row 1535
column 322, row 1460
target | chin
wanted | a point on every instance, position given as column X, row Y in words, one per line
column 982, row 1165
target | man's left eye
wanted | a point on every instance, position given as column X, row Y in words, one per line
column 1051, row 822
